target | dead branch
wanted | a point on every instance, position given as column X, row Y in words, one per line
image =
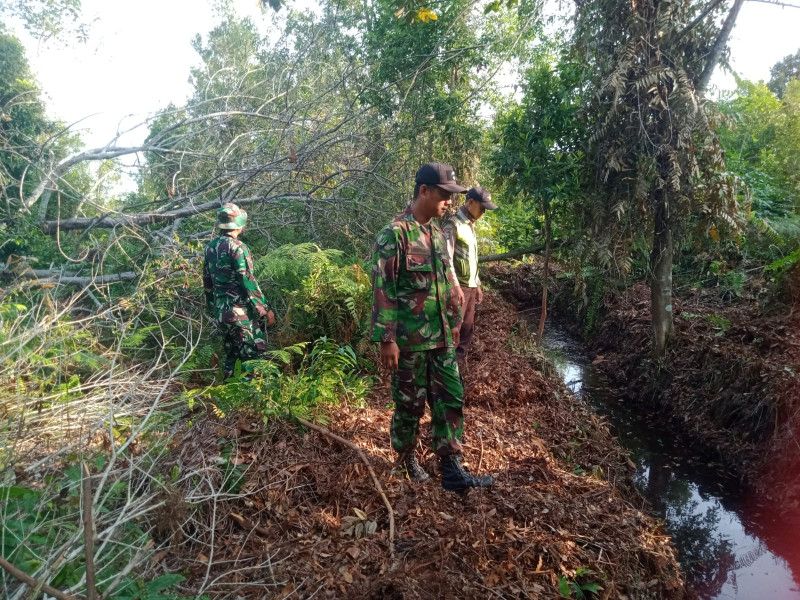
column 108, row 222
column 363, row 458
column 35, row 583
column 88, row 533
column 703, row 14
column 54, row 277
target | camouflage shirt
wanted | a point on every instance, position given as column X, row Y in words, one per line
column 232, row 294
column 414, row 303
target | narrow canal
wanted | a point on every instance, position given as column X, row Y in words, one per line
column 728, row 547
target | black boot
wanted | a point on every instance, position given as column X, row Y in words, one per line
column 455, row 478
column 415, row 471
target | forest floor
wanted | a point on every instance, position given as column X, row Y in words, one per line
column 730, row 385
column 563, row 510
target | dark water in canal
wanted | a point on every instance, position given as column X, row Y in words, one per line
column 728, row 547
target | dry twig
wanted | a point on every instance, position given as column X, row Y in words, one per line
column 35, row 583
column 88, row 533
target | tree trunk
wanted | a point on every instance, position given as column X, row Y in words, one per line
column 661, row 284
column 43, row 205
column 546, row 272
column 718, row 47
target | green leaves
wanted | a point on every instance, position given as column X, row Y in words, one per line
column 326, row 374
column 536, row 155
column 496, row 5
column 572, row 588
column 564, row 588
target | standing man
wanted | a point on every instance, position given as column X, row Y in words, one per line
column 462, row 247
column 415, row 317
column 232, row 293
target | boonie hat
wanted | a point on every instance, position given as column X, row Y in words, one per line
column 482, row 196
column 440, row 174
column 231, row 216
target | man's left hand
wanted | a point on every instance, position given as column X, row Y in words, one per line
column 460, row 293
column 479, row 299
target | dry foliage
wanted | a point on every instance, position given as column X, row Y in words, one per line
column 291, row 528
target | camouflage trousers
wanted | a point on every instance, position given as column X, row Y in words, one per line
column 244, row 340
column 431, row 377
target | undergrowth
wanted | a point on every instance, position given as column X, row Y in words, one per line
column 103, row 377
column 293, row 381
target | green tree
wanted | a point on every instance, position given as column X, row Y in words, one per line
column 750, row 139
column 653, row 148
column 23, row 123
column 48, row 19
column 782, row 72
column 536, row 154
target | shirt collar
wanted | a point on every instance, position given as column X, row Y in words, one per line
column 465, row 214
column 407, row 215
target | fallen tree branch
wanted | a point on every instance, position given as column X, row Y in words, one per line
column 363, row 458
column 106, row 222
column 35, row 583
column 88, row 533
column 56, row 278
column 52, row 277
column 512, row 254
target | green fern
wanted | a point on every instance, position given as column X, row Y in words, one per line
column 765, row 227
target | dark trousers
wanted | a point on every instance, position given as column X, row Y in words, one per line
column 468, row 324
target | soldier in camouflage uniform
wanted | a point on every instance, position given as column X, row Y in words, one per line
column 232, row 293
column 415, row 317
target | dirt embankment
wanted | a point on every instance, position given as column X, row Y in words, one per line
column 563, row 504
column 731, row 380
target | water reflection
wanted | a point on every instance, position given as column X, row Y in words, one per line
column 702, row 509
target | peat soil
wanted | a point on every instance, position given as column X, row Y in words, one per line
column 564, row 504
column 730, row 390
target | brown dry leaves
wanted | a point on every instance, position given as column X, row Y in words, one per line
column 538, row 522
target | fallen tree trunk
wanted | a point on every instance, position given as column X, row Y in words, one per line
column 56, row 276
column 108, row 222
column 59, row 277
column 537, row 249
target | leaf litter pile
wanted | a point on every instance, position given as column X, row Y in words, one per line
column 280, row 511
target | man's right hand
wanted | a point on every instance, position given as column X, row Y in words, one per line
column 265, row 313
column 390, row 355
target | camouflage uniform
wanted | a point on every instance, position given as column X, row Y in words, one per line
column 233, row 296
column 415, row 305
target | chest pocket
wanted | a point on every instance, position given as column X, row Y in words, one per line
column 420, row 271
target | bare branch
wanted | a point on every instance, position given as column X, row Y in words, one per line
column 699, row 18
column 25, row 578
column 718, row 47
column 88, row 531
column 781, row 4
column 107, row 222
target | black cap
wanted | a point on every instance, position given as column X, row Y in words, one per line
column 439, row 174
column 482, row 197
